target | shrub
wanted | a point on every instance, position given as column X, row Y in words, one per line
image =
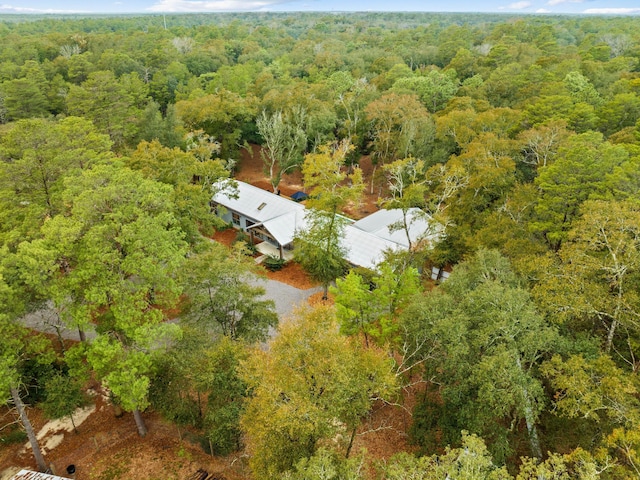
column 273, row 263
column 242, row 237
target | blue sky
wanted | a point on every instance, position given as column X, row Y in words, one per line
column 624, row 7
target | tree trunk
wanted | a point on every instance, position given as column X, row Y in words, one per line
column 83, row 337
column 75, row 429
column 533, row 431
column 60, row 339
column 373, row 174
column 610, row 335
column 142, row 428
column 37, row 453
column 353, row 436
column 405, row 226
column 530, row 420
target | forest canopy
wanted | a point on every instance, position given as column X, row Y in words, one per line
column 516, row 137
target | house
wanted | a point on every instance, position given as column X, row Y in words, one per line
column 261, row 214
column 276, row 220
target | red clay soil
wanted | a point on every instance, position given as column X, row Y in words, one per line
column 292, row 273
column 226, row 236
column 251, row 170
column 316, row 299
column 107, row 447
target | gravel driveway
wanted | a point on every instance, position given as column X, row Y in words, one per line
column 286, row 298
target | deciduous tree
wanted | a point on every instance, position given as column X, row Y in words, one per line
column 311, row 384
column 372, row 308
column 284, row 142
column 319, row 248
column 483, row 330
column 400, row 127
column 471, row 461
column 222, row 297
column 593, row 284
column 223, row 115
column 435, row 88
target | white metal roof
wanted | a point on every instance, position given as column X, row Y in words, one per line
column 256, row 203
column 379, row 224
column 29, row 475
column 366, row 249
column 285, row 227
column 366, row 240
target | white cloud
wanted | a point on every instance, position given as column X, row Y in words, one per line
column 212, row 5
column 558, row 2
column 612, row 11
column 11, row 9
column 516, row 6
column 519, row 5
column 543, row 10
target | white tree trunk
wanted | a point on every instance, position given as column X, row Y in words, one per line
column 529, row 418
column 31, row 435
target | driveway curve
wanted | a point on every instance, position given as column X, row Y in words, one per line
column 285, row 297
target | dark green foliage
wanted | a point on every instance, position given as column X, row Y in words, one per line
column 245, row 241
column 486, row 340
column 169, row 394
column 210, row 397
column 226, row 395
column 63, row 396
column 11, row 435
column 36, row 376
column 221, row 298
column 273, row 263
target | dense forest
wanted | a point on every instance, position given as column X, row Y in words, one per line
column 517, row 137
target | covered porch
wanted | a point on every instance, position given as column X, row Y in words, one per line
column 266, row 248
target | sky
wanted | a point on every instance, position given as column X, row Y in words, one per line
column 616, row 7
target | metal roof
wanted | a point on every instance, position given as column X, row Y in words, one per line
column 256, row 203
column 365, row 249
column 29, row 475
column 379, row 224
column 366, row 240
column 285, row 227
